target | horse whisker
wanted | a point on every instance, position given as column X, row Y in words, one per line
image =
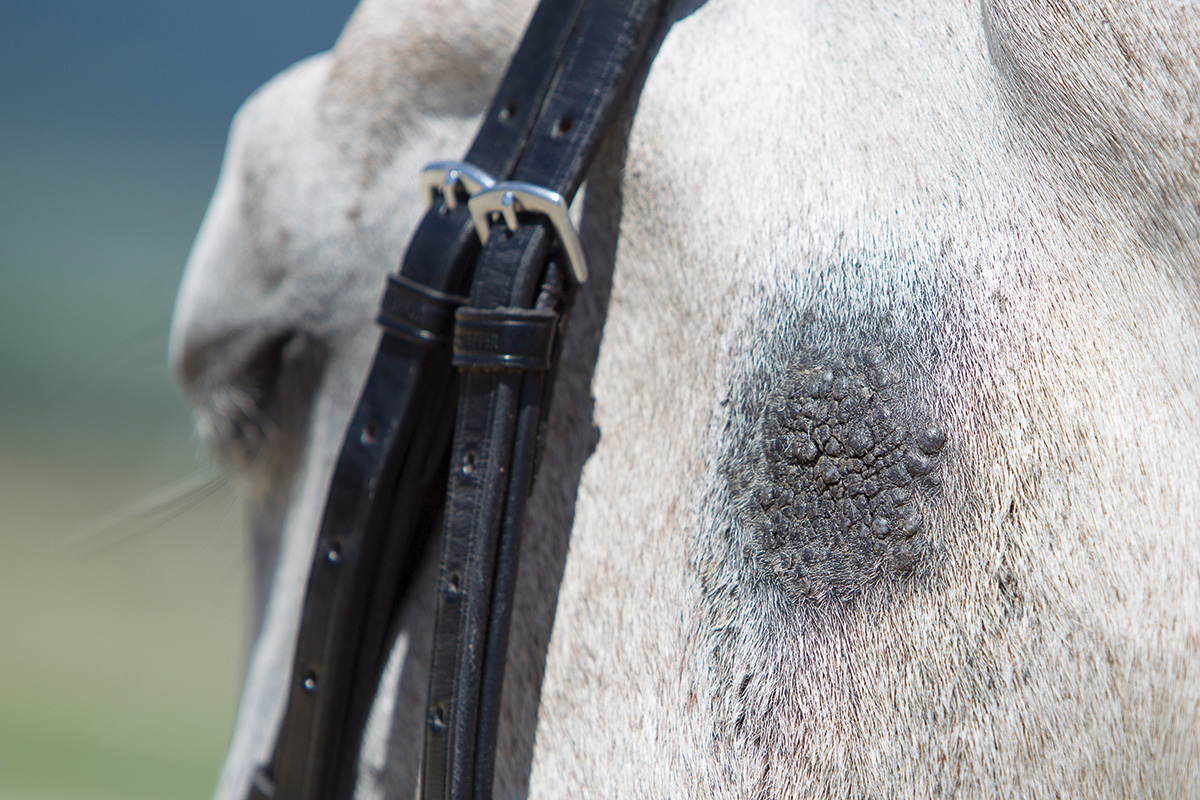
column 146, row 513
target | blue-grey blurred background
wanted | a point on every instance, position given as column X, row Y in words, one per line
column 122, row 615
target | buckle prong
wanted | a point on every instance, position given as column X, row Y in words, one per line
column 447, row 177
column 507, row 198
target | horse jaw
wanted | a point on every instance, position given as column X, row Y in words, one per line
column 922, row 168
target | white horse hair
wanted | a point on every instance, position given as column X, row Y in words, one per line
column 970, row 227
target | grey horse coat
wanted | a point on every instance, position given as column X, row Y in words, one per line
column 872, row 469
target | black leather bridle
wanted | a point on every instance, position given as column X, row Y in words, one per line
column 474, row 313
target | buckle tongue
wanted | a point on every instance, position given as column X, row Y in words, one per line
column 446, row 177
column 507, row 198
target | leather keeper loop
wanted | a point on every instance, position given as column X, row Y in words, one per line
column 417, row 312
column 504, row 338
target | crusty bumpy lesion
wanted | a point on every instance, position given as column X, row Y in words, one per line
column 826, row 519
column 832, row 488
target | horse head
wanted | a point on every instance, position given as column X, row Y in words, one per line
column 872, row 463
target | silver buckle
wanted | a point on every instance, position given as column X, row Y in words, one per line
column 507, row 198
column 445, row 177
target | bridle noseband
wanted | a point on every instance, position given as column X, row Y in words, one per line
column 474, row 313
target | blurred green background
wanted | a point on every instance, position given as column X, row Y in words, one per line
column 122, row 600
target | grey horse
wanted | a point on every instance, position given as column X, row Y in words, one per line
column 874, row 462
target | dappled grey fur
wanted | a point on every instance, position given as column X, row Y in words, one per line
column 827, row 510
column 873, row 470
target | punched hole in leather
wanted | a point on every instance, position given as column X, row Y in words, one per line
column 398, row 428
column 574, row 61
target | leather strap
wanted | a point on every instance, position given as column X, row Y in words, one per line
column 504, row 338
column 499, row 409
column 388, row 481
column 386, row 490
column 417, row 312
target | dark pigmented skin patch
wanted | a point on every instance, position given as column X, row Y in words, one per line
column 842, row 468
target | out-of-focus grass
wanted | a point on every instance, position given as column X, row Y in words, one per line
column 121, row 644
column 119, row 652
